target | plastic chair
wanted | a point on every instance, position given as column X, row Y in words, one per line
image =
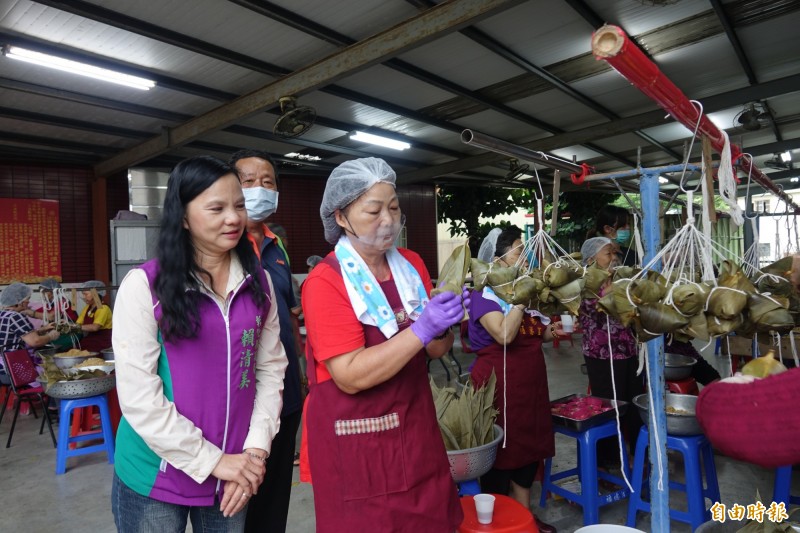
column 783, row 482
column 587, row 472
column 22, row 372
column 63, row 451
column 684, row 386
column 693, row 448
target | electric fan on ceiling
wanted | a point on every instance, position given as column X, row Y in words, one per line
column 294, row 120
column 751, row 117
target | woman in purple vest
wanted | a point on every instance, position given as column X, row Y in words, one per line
column 199, row 364
column 377, row 458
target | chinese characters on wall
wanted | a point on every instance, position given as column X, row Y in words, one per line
column 30, row 246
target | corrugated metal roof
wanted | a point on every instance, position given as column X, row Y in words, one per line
column 489, row 76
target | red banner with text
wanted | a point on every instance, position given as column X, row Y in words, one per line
column 30, row 242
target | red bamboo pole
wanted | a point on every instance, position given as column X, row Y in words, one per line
column 611, row 44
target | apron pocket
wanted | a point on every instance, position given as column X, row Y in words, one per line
column 371, row 456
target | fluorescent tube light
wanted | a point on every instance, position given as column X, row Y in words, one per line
column 379, row 141
column 303, row 157
column 67, row 65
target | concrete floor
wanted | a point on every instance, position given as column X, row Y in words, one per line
column 34, row 498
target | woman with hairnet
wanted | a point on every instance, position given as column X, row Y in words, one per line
column 511, row 336
column 16, row 329
column 51, row 307
column 609, row 346
column 375, row 452
column 95, row 319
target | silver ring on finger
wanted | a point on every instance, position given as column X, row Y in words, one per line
column 245, row 495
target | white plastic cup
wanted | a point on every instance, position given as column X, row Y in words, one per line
column 567, row 324
column 484, row 506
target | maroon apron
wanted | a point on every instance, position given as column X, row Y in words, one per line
column 377, row 458
column 98, row 340
column 528, row 424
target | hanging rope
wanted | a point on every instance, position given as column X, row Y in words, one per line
column 616, row 403
column 727, row 182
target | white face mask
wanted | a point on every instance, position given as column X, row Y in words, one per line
column 260, row 202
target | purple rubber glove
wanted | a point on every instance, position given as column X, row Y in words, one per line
column 442, row 311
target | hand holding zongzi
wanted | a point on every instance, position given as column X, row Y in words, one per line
column 443, row 310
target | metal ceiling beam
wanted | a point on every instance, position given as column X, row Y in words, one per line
column 96, row 101
column 62, row 122
column 170, row 116
column 113, row 18
column 107, row 16
column 587, row 13
column 10, row 153
column 443, row 19
column 773, row 148
column 202, row 91
column 618, row 127
column 126, row 107
column 512, row 57
column 270, row 10
column 38, row 140
column 730, row 32
column 161, row 80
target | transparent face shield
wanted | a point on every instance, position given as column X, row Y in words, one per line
column 384, row 235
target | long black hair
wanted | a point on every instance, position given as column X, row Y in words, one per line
column 610, row 215
column 178, row 268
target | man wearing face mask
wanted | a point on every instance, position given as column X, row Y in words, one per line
column 269, row 508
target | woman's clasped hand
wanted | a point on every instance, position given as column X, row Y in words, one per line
column 443, row 311
column 242, row 473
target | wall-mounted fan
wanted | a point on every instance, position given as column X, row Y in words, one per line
column 752, row 116
column 294, row 120
column 515, row 170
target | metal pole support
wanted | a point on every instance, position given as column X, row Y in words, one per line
column 659, row 499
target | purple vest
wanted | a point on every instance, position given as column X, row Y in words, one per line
column 211, row 380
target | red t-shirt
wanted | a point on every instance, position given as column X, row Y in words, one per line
column 332, row 328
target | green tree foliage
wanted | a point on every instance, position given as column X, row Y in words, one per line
column 464, row 206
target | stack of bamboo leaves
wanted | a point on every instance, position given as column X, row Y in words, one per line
column 466, row 420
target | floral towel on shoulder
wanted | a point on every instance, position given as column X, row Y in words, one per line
column 595, row 326
column 366, row 296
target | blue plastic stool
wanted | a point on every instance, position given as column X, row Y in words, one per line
column 589, row 497
column 64, row 439
column 692, row 448
column 783, row 482
column 470, row 487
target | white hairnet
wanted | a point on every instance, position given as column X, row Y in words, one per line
column 49, row 284
column 94, row 284
column 591, row 247
column 487, row 250
column 313, row 260
column 346, row 183
column 14, row 294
